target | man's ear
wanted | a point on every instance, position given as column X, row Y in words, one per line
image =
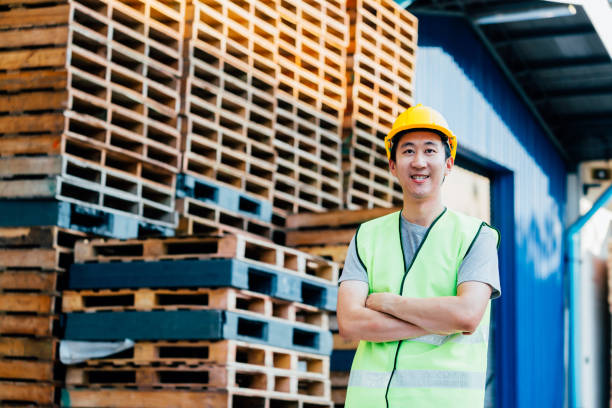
column 393, row 167
column 450, row 162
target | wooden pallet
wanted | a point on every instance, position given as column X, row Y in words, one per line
column 368, row 140
column 26, row 370
column 197, row 218
column 20, row 393
column 309, row 171
column 312, row 51
column 219, row 353
column 18, row 173
column 192, row 299
column 293, row 197
column 26, row 347
column 42, row 237
column 112, row 398
column 237, row 246
column 229, row 198
column 258, row 380
column 211, row 160
column 336, row 253
column 31, row 280
column 71, row 189
column 298, row 121
column 208, row 64
column 327, row 237
column 333, row 219
column 42, row 259
column 247, row 36
column 37, row 326
column 161, row 47
column 30, row 303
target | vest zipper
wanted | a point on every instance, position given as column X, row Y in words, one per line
column 401, row 289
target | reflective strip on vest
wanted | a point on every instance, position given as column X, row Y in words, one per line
column 418, row 379
column 481, row 335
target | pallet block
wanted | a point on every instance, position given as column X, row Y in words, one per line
column 26, row 392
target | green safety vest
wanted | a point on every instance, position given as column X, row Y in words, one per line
column 433, row 370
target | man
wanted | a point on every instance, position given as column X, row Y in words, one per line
column 417, row 284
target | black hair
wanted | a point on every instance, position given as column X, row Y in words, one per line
column 395, row 140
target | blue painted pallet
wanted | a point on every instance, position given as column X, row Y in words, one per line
column 28, row 213
column 196, row 325
column 223, row 196
column 204, row 273
column 341, row 360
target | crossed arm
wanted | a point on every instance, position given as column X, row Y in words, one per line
column 388, row 317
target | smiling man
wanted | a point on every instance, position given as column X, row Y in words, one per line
column 417, row 284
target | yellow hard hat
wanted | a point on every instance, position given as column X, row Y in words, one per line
column 421, row 117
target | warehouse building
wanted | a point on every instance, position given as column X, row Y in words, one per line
column 144, row 142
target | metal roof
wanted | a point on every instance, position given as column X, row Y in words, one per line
column 559, row 65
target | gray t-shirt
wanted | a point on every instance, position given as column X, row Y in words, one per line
column 480, row 263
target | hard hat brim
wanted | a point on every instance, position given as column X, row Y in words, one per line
column 441, row 129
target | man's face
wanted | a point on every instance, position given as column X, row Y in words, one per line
column 420, row 164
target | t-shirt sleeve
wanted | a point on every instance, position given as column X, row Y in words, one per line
column 481, row 264
column 353, row 269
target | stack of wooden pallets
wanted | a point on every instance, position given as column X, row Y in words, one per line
column 229, row 110
column 312, row 45
column 225, row 321
column 33, row 263
column 381, row 66
column 328, row 235
column 89, row 103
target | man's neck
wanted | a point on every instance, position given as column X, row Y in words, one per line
column 422, row 213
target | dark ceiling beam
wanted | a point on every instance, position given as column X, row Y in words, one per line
column 586, row 121
column 510, row 7
column 564, row 63
column 574, row 93
column 545, row 34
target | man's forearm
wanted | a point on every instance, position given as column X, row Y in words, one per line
column 439, row 315
column 372, row 325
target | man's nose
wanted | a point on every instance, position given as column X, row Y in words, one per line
column 418, row 160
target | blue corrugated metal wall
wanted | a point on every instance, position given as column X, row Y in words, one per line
column 456, row 74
